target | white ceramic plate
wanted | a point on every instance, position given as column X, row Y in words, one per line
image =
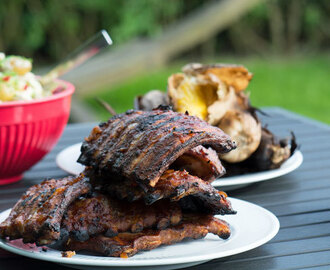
column 239, row 181
column 251, row 227
column 67, row 161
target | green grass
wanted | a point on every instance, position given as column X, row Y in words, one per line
column 300, row 84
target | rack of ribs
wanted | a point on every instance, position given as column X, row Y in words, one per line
column 88, row 216
column 147, row 183
column 174, row 185
column 37, row 216
column 140, row 146
column 127, row 244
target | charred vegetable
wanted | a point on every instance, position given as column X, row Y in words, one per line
column 272, row 151
column 271, row 154
column 214, row 94
column 151, row 100
column 245, row 130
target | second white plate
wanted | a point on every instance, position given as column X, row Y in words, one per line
column 239, row 181
column 67, row 161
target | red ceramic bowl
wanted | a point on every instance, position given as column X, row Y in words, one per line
column 30, row 129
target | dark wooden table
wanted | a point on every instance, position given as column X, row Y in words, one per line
column 301, row 201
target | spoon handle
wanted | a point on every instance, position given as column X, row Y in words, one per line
column 80, row 55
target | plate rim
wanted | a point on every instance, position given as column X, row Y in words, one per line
column 62, row 153
column 249, row 178
column 231, row 181
column 154, row 262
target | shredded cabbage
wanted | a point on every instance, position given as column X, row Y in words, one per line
column 17, row 82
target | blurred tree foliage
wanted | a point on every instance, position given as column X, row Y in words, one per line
column 49, row 29
column 283, row 26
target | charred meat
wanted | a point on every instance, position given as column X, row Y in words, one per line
column 140, row 146
column 202, row 162
column 174, row 185
column 37, row 216
column 127, row 244
column 147, row 183
column 97, row 214
column 179, row 184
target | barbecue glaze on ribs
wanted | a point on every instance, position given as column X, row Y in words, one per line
column 89, row 216
column 174, row 185
column 141, row 146
column 202, row 162
column 147, row 183
column 37, row 216
column 127, row 244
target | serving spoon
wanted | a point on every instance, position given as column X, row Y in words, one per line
column 88, row 49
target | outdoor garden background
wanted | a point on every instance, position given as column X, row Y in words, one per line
column 284, row 43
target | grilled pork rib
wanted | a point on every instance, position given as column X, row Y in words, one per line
column 89, row 216
column 140, row 146
column 37, row 216
column 148, row 183
column 174, row 185
column 128, row 244
column 202, row 162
